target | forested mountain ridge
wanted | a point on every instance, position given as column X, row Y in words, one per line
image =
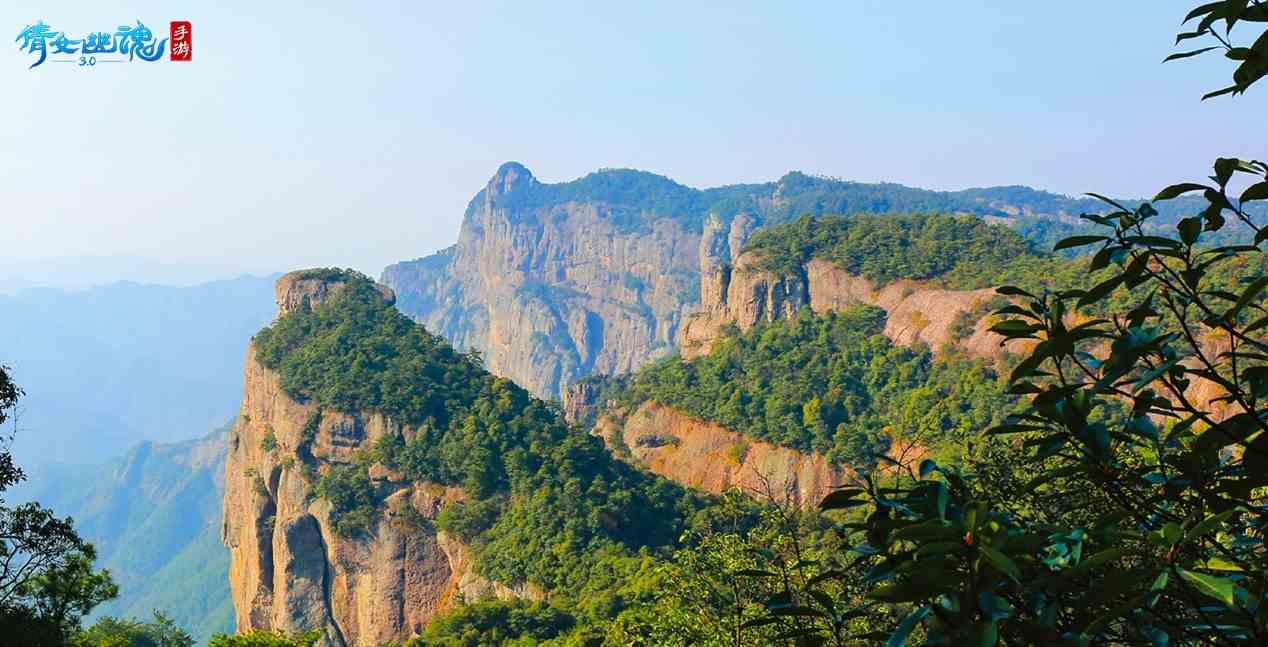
column 553, row 282
column 154, row 516
column 377, row 477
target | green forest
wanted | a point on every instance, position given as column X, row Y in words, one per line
column 831, row 384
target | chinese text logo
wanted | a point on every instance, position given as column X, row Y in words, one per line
column 124, row 44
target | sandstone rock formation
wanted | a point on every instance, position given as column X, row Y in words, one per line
column 712, row 458
column 550, row 291
column 746, row 295
column 289, row 570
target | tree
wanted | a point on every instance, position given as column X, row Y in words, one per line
column 117, row 632
column 1126, row 503
column 264, row 639
column 47, row 583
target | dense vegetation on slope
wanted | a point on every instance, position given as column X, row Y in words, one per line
column 548, row 505
column 961, row 252
column 832, row 384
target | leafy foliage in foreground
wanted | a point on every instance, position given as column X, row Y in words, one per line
column 1145, row 528
column 832, row 384
column 47, row 580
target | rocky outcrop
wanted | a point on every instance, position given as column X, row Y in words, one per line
column 307, row 288
column 289, row 570
column 552, row 288
column 917, row 313
column 712, row 458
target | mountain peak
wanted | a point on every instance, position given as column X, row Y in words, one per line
column 510, row 176
column 305, row 289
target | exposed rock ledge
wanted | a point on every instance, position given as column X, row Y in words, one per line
column 748, row 295
column 712, row 458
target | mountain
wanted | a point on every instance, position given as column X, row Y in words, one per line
column 553, row 282
column 154, row 516
column 106, row 367
column 381, row 485
column 376, row 478
column 80, row 272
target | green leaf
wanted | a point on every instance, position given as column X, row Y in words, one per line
column 1078, row 241
column 899, row 637
column 1220, row 92
column 1101, row 290
column 802, row 612
column 1195, row 52
column 843, row 498
column 926, row 466
column 1209, row 524
column 1204, row 9
column 1257, row 191
column 1108, row 201
column 1012, row 291
column 1190, row 229
column 1248, row 295
column 1219, row 588
column 1176, row 190
column 1001, row 562
column 1221, row 564
column 1015, row 327
column 1224, row 168
column 1148, row 378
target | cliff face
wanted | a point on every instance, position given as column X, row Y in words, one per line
column 289, row 570
column 552, row 282
column 552, row 289
column 710, row 457
column 747, row 295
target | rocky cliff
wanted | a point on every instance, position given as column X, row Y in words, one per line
column 289, row 570
column 553, row 282
column 745, row 295
column 554, row 287
column 712, row 458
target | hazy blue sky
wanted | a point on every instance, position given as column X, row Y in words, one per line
column 354, row 136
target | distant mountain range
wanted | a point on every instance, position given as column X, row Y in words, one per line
column 107, row 367
column 154, row 516
column 79, row 272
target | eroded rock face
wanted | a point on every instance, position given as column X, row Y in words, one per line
column 552, row 292
column 715, row 459
column 308, row 288
column 289, row 570
column 748, row 295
